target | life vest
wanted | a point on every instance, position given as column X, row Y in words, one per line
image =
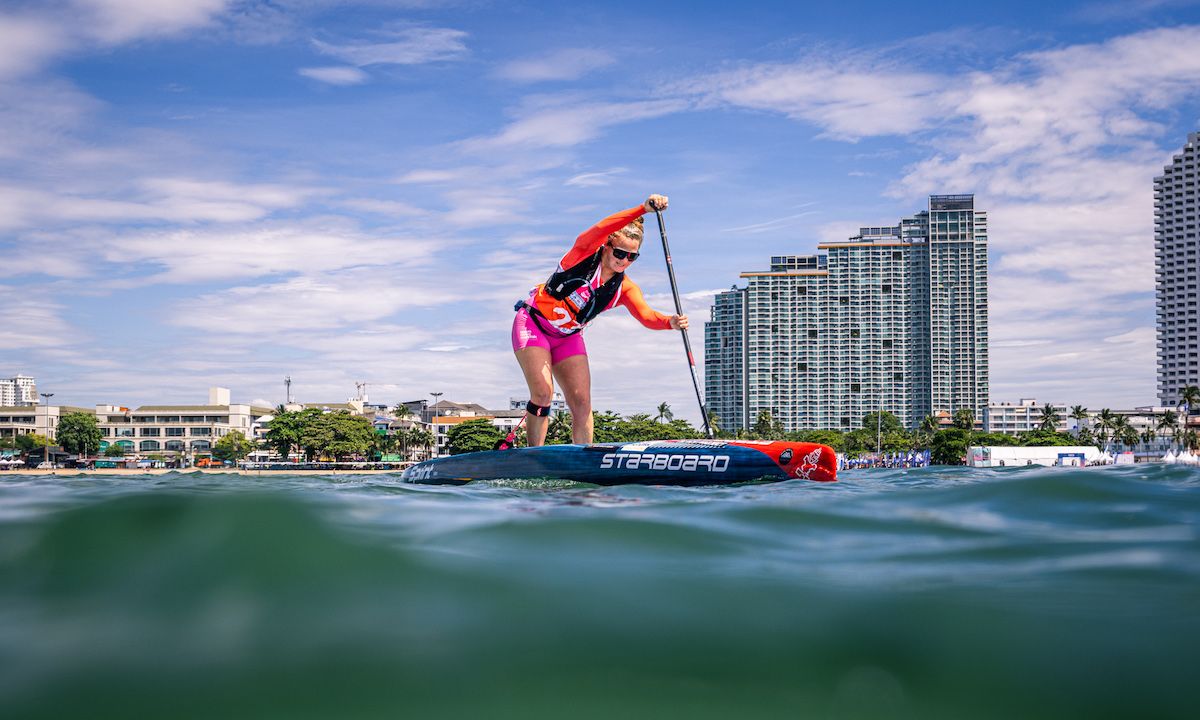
column 568, row 300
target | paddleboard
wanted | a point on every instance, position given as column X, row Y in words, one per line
column 659, row 462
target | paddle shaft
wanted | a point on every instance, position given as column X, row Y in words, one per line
column 687, row 344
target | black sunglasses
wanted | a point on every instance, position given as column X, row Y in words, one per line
column 620, row 254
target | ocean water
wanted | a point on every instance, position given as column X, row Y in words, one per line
column 927, row 593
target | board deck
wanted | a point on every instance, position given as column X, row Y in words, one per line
column 658, row 462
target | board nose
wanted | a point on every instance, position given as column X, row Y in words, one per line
column 810, row 462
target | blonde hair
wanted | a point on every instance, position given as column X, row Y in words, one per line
column 633, row 231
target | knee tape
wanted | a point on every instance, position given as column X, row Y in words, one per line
column 537, row 410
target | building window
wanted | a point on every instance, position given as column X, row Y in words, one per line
column 812, row 333
column 887, row 343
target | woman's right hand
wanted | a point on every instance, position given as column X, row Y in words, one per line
column 655, row 203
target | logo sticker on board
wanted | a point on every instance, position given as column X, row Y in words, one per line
column 808, row 464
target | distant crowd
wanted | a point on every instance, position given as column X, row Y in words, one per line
column 914, row 459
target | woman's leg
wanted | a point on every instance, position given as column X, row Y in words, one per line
column 535, row 364
column 574, row 377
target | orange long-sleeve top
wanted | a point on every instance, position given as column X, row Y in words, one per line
column 591, row 240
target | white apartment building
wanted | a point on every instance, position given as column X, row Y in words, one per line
column 1023, row 416
column 18, row 391
column 169, row 430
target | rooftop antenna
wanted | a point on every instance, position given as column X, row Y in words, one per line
column 361, row 387
column 287, row 383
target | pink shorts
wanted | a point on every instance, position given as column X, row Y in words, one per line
column 526, row 333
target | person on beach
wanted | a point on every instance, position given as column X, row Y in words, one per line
column 547, row 331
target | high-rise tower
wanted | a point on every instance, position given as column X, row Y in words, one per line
column 894, row 318
column 1177, row 274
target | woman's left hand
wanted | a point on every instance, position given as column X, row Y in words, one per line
column 679, row 322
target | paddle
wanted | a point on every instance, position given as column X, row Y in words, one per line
column 687, row 344
column 511, row 440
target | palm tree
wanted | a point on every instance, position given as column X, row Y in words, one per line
column 1050, row 418
column 402, row 411
column 422, row 438
column 558, row 432
column 1189, row 399
column 1120, row 430
column 929, row 425
column 714, row 423
column 1168, row 421
column 1104, row 423
column 664, row 413
column 1078, row 413
column 1189, row 404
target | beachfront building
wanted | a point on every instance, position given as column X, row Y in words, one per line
column 180, row 431
column 893, row 318
column 1024, row 416
column 168, row 430
column 18, row 391
column 1177, row 273
column 29, row 419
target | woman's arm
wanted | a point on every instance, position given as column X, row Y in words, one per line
column 635, row 303
column 590, row 240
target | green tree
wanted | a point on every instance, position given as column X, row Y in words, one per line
column 664, row 413
column 833, row 438
column 964, row 419
column 994, row 439
column 714, row 423
column 1104, row 423
column 79, row 433
column 29, row 442
column 115, row 450
column 232, row 446
column 1078, row 413
column 336, row 434
column 286, row 430
column 473, row 436
column 1049, row 418
column 1189, row 400
column 1040, row 437
column 1120, row 429
column 949, row 446
column 766, row 427
column 559, row 430
column 886, row 432
column 422, row 438
column 1169, row 422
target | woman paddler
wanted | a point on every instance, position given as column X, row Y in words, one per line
column 547, row 332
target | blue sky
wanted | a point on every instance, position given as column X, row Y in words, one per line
column 218, row 192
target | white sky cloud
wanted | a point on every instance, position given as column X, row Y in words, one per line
column 26, row 43
column 565, row 64
column 335, row 75
column 570, row 124
column 116, row 21
column 407, row 46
